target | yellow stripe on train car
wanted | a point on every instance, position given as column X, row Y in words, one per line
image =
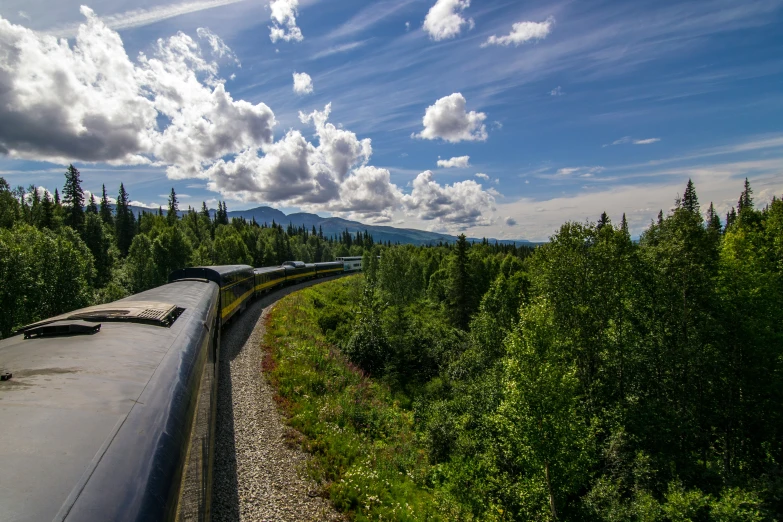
column 230, row 308
column 269, row 283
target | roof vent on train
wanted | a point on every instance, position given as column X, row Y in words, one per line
column 144, row 312
column 295, row 264
column 147, row 312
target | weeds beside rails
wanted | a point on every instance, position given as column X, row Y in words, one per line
column 365, row 455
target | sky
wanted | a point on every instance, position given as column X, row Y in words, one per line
column 498, row 119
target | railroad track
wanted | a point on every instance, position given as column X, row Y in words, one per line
column 256, row 475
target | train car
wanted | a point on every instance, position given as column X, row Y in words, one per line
column 352, row 263
column 298, row 271
column 109, row 411
column 268, row 278
column 236, row 285
column 328, row 268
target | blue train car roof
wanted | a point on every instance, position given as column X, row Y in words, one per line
column 211, row 273
column 92, row 424
column 265, row 269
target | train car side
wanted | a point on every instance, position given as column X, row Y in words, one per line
column 109, row 414
column 237, row 285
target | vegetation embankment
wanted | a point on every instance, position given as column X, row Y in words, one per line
column 596, row 379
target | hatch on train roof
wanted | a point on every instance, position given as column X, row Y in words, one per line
column 145, row 312
column 295, row 264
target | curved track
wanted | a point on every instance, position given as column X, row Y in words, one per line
column 257, row 476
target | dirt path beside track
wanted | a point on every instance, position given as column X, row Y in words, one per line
column 257, row 475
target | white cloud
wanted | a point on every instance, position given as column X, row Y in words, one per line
column 219, row 47
column 447, row 119
column 169, row 108
column 283, row 16
column 342, row 48
column 303, row 84
column 482, row 176
column 444, row 19
column 557, row 91
column 627, row 139
column 141, row 17
column 407, row 26
column 510, row 221
column 456, row 162
column 583, row 172
column 522, row 32
column 459, row 205
column 24, row 15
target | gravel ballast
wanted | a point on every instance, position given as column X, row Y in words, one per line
column 257, row 476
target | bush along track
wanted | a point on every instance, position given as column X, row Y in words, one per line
column 365, row 452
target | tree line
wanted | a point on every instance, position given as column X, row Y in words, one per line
column 594, row 378
column 61, row 252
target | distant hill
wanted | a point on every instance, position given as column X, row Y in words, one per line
column 335, row 225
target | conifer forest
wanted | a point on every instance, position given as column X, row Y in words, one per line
column 594, row 377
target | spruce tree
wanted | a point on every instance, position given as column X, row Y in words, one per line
column 713, row 221
column 171, row 215
column 690, row 201
column 746, row 199
column 47, row 212
column 56, row 197
column 204, row 210
column 624, row 227
column 106, row 215
column 123, row 222
column 92, row 207
column 603, row 221
column 73, row 195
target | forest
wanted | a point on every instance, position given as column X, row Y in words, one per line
column 593, row 378
column 60, row 254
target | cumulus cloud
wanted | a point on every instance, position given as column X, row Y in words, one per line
column 456, row 162
column 557, row 91
column 522, row 32
column 444, row 19
column 482, row 176
column 447, row 119
column 283, row 15
column 303, row 84
column 461, row 204
column 90, row 102
column 332, row 175
column 510, row 221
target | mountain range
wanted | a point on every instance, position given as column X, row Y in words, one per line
column 335, row 225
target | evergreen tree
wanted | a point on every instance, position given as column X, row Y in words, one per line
column 171, row 215
column 746, row 198
column 124, row 222
column 56, row 197
column 204, row 210
column 47, row 212
column 713, row 221
column 92, row 207
column 73, row 195
column 690, row 201
column 731, row 218
column 603, row 221
column 459, row 285
column 106, row 215
column 624, row 227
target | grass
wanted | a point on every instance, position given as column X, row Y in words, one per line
column 366, row 455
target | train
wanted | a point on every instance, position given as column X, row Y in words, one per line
column 108, row 412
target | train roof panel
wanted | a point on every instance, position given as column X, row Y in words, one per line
column 212, row 273
column 70, row 398
column 266, row 269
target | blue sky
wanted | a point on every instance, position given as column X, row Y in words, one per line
column 580, row 107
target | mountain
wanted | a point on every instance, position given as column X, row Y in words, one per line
column 335, row 225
